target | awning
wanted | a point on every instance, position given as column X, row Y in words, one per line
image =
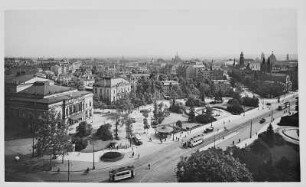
column 76, row 116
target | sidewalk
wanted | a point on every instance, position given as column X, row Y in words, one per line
column 248, row 141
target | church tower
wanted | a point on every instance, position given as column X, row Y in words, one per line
column 241, row 61
column 269, row 65
column 263, row 65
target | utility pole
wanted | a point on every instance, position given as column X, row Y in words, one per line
column 173, row 131
column 68, row 170
column 272, row 115
column 251, row 130
column 93, row 155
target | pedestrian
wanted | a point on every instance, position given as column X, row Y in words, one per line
column 233, row 142
column 239, row 139
column 133, row 154
column 138, row 155
column 149, row 166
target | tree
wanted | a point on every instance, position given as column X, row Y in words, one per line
column 270, row 135
column 212, row 165
column 84, row 129
column 145, row 120
column 104, row 132
column 191, row 115
column 116, row 129
column 52, row 135
column 208, row 111
column 237, row 96
column 205, row 118
column 80, row 143
column 179, row 123
column 204, row 90
column 146, row 125
column 248, row 101
column 234, row 106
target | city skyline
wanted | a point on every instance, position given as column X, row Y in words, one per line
column 130, row 33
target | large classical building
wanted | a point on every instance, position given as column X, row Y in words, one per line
column 71, row 105
column 199, row 71
column 110, row 90
column 15, row 84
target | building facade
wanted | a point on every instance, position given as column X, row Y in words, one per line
column 109, row 90
column 71, row 105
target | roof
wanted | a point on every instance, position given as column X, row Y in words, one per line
column 43, row 89
column 51, row 99
column 113, row 82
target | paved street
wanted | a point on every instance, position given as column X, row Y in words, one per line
column 163, row 160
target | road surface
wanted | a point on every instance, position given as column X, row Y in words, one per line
column 163, row 162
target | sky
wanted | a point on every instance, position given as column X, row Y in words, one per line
column 116, row 33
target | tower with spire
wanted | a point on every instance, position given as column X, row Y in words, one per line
column 263, row 65
column 241, row 60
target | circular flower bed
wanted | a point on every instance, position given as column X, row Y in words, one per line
column 112, row 156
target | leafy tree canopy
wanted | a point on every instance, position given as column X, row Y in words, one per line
column 212, row 165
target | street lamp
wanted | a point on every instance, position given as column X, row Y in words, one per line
column 272, row 114
column 173, row 131
column 93, row 155
column 215, row 140
column 251, row 130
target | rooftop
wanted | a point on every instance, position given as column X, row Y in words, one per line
column 21, row 79
column 43, row 89
column 52, row 99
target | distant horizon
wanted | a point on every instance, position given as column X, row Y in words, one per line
column 222, row 56
column 151, row 33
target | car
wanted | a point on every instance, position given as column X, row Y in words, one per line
column 112, row 145
column 262, row 120
column 138, row 136
column 208, row 129
column 269, row 104
column 136, row 141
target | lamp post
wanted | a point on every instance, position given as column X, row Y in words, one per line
column 214, row 140
column 93, row 155
column 173, row 131
column 251, row 130
column 272, row 114
column 68, row 170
